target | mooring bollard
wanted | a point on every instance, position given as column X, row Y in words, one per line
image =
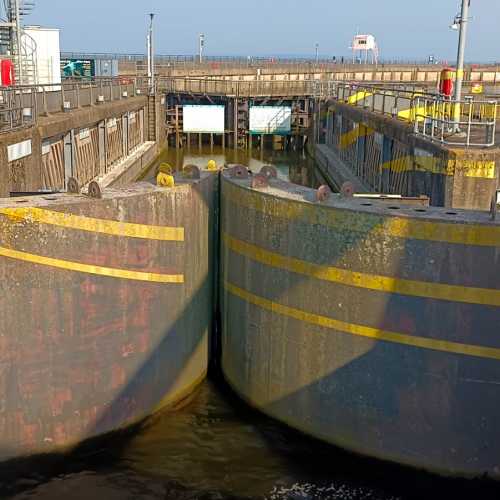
column 323, row 193
column 165, row 180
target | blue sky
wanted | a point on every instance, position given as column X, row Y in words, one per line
column 404, row 28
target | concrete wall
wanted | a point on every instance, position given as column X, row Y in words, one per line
column 58, row 151
column 105, row 310
column 372, row 327
column 385, row 154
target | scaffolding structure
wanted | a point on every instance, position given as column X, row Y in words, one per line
column 15, row 43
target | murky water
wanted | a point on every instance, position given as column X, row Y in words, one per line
column 216, row 447
column 295, row 166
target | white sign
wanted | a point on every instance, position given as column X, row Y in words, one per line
column 46, row 145
column 112, row 124
column 203, row 119
column 19, row 150
column 270, row 120
column 84, row 133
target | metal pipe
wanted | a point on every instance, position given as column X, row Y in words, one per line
column 462, row 39
column 201, row 46
column 151, row 56
column 18, row 42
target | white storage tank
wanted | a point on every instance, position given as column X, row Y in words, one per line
column 47, row 54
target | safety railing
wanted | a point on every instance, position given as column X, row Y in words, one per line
column 210, row 86
column 21, row 106
column 393, row 100
column 469, row 123
column 17, row 109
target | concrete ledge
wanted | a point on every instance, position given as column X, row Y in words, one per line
column 336, row 171
column 127, row 170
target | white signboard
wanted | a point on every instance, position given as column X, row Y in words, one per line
column 19, row 150
column 203, row 119
column 270, row 120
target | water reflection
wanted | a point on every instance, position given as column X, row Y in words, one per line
column 296, row 166
column 216, row 447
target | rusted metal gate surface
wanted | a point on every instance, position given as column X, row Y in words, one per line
column 53, row 164
column 135, row 129
column 114, row 141
column 86, row 154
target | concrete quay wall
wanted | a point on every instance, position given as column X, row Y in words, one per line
column 372, row 327
column 105, row 312
column 384, row 154
column 86, row 144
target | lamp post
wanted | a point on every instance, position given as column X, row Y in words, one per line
column 151, row 60
column 461, row 22
column 201, row 46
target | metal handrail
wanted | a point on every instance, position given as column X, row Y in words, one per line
column 469, row 123
column 22, row 105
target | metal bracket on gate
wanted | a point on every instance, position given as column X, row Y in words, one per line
column 191, row 172
column 269, row 171
column 495, row 201
column 73, row 186
column 238, row 172
column 94, row 190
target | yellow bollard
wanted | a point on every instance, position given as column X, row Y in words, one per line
column 165, row 168
column 212, row 165
column 165, row 180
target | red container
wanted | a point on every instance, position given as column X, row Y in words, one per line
column 447, row 82
column 7, row 72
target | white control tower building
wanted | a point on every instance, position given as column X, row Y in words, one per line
column 364, row 48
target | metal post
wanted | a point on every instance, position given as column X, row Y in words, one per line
column 18, row 42
column 151, row 57
column 201, row 46
column 464, row 19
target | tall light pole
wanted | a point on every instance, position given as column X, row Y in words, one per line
column 151, row 57
column 462, row 21
column 201, row 46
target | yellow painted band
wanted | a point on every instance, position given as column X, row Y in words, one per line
column 442, row 232
column 403, row 164
column 359, row 96
column 90, row 269
column 103, row 226
column 364, row 331
column 349, row 138
column 425, row 289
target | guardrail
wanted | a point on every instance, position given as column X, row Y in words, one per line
column 20, row 106
column 247, row 88
column 470, row 123
column 457, row 123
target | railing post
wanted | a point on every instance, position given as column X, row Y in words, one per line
column 44, row 100
column 62, row 96
column 77, row 95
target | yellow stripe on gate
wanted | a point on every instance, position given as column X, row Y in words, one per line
column 387, row 284
column 102, row 226
column 359, row 96
column 397, row 227
column 364, row 331
column 109, row 272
